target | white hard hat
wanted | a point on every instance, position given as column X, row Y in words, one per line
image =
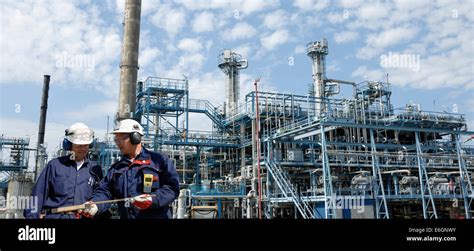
column 79, row 134
column 128, row 126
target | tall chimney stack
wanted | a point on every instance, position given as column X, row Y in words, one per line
column 129, row 60
column 40, row 150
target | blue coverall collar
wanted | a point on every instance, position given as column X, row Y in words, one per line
column 71, row 162
column 143, row 155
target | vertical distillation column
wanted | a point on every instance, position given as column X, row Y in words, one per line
column 231, row 63
column 129, row 61
column 318, row 51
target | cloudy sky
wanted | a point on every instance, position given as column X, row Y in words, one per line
column 184, row 37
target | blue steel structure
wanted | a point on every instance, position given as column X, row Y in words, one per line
column 400, row 162
column 383, row 138
column 17, row 160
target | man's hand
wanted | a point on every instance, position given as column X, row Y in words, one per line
column 90, row 210
column 142, row 201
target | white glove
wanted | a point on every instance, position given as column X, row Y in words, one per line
column 90, row 210
column 142, row 201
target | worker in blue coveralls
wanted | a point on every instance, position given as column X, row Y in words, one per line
column 148, row 179
column 67, row 180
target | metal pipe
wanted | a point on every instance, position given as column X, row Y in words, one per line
column 257, row 138
column 40, row 155
column 129, row 61
column 182, row 204
column 354, row 92
column 44, row 108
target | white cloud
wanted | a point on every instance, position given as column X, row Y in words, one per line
column 147, row 56
column 363, row 73
column 208, row 86
column 120, row 6
column 275, row 39
column 91, row 112
column 170, row 19
column 209, row 44
column 195, row 60
column 310, row 5
column 276, row 19
column 392, row 36
column 345, row 36
column 189, row 64
column 199, row 122
column 245, row 6
column 251, row 6
column 303, row 24
column 439, row 39
column 203, row 22
column 406, row 5
column 148, row 6
column 453, row 69
column 244, row 50
column 247, row 84
column 299, row 49
column 375, row 43
column 67, row 42
column 333, row 67
column 372, row 15
column 240, row 31
column 203, row 4
column 190, row 45
column 373, row 11
column 337, row 17
column 350, row 3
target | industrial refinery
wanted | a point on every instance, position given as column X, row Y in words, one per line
column 271, row 155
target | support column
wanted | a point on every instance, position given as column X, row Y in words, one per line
column 424, row 184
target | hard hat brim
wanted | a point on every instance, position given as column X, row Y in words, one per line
column 125, row 131
column 80, row 142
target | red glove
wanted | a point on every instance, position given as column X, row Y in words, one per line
column 90, row 210
column 142, row 201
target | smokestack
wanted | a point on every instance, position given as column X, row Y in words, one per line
column 43, row 109
column 129, row 61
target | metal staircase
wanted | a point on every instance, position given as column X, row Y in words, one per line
column 204, row 106
column 284, row 183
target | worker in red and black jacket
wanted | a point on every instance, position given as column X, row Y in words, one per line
column 149, row 179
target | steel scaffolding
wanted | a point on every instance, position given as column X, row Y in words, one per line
column 317, row 151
